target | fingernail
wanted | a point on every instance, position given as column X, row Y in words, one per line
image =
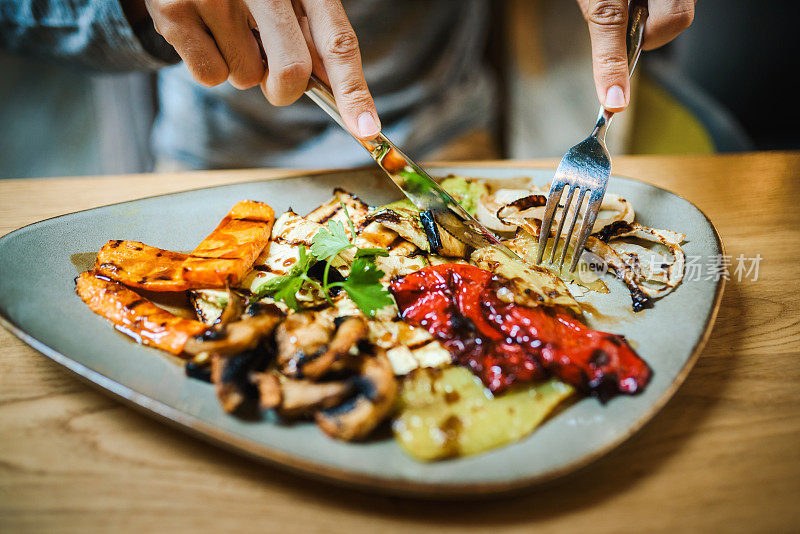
column 615, row 97
column 367, row 125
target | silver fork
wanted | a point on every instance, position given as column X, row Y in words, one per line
column 586, row 166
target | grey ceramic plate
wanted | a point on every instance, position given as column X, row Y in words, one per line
column 37, row 303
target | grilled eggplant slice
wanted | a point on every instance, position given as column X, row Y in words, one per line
column 209, row 304
column 376, row 235
column 405, row 221
column 290, row 232
column 525, row 245
column 332, row 210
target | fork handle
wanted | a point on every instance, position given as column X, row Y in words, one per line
column 637, row 16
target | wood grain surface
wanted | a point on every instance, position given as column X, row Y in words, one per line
column 724, row 455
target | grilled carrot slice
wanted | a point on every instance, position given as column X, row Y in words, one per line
column 241, row 236
column 220, row 260
column 138, row 265
column 136, row 316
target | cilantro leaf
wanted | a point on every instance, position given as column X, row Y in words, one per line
column 363, row 286
column 349, row 220
column 304, row 260
column 288, row 292
column 330, row 241
column 367, row 252
column 285, row 286
column 271, row 286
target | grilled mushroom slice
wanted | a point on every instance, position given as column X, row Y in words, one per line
column 375, row 391
column 269, row 389
column 238, row 336
column 350, row 331
column 296, row 398
column 236, row 390
column 301, row 338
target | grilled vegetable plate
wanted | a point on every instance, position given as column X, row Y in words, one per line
column 331, row 322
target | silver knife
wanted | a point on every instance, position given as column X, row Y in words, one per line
column 436, row 206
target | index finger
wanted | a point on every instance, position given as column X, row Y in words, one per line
column 337, row 45
column 608, row 22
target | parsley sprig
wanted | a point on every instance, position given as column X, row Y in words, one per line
column 362, row 285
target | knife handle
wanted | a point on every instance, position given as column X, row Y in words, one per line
column 381, row 149
column 321, row 94
column 323, row 97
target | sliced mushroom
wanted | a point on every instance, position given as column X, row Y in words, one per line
column 350, row 331
column 236, row 391
column 269, row 389
column 300, row 338
column 375, row 391
column 199, row 367
column 238, row 336
column 296, row 398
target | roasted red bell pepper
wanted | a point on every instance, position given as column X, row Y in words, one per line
column 504, row 343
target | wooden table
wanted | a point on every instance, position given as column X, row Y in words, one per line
column 723, row 455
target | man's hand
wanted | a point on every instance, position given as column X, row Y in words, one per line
column 608, row 21
column 216, row 41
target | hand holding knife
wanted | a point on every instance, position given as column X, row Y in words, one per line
column 435, row 204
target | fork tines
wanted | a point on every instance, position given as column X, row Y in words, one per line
column 552, row 206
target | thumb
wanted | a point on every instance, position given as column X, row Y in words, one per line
column 608, row 21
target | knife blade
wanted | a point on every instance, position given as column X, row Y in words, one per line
column 436, row 206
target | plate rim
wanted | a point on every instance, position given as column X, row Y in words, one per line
column 339, row 476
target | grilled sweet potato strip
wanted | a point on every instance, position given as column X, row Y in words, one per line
column 221, row 259
column 138, row 265
column 241, row 236
column 136, row 316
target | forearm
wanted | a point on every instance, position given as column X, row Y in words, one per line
column 84, row 33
